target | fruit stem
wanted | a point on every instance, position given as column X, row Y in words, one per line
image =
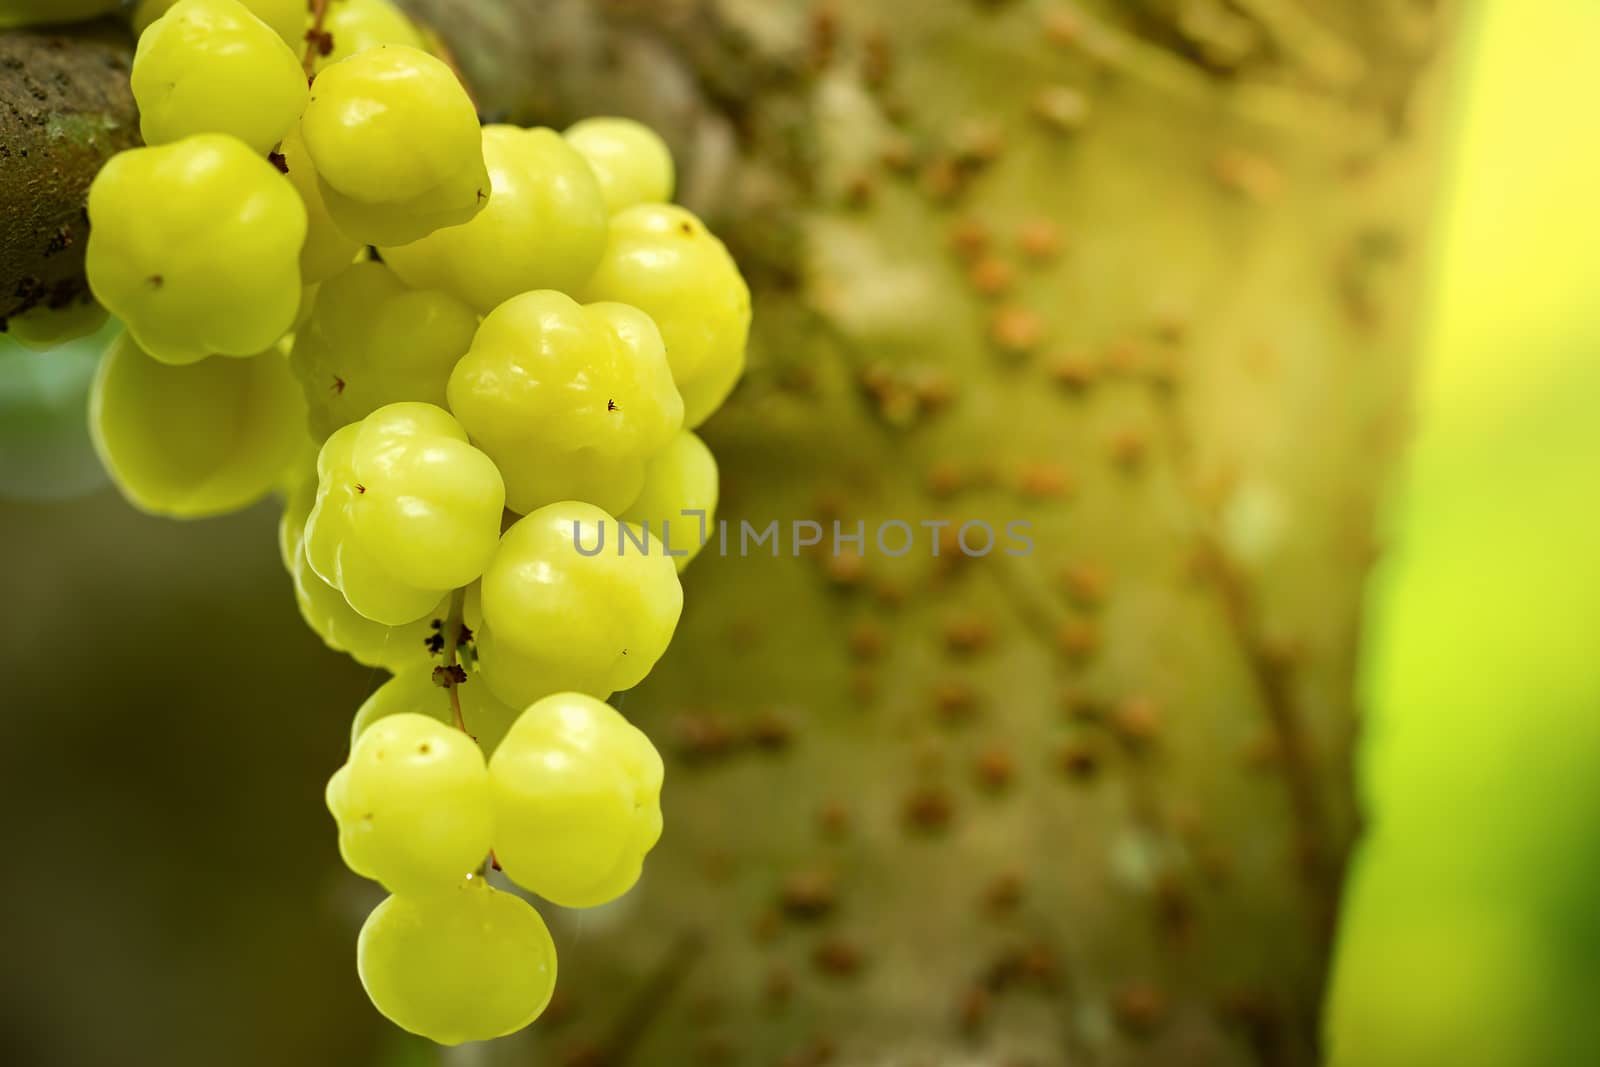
column 452, row 641
column 314, row 38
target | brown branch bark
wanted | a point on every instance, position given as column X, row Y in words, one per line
column 65, row 108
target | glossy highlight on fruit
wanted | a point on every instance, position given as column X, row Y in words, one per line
column 577, row 800
column 412, row 804
column 558, row 619
column 570, row 401
column 663, row 261
column 457, row 352
column 325, row 610
column 396, row 145
column 210, row 66
column 544, row 226
column 406, row 511
column 195, row 246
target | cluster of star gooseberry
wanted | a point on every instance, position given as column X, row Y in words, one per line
column 500, row 338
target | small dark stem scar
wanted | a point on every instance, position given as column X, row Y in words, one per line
column 360, row 488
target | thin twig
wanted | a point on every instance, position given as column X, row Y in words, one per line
column 1273, row 682
column 315, row 37
column 650, row 997
column 1272, row 679
column 1318, row 48
column 1319, row 868
column 453, row 630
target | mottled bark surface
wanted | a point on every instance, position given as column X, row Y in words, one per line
column 1146, row 280
column 1145, row 275
column 65, row 108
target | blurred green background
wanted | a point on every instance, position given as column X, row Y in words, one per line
column 170, row 884
column 1472, row 923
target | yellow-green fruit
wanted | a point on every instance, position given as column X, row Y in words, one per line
column 326, row 251
column 543, row 228
column 299, row 492
column 42, row 328
column 389, row 124
column 329, row 615
column 631, row 161
column 577, row 801
column 662, row 260
column 412, row 804
column 210, row 66
column 357, row 25
column 396, row 145
column 406, row 511
column 571, row 603
column 27, row 12
column 343, row 629
column 467, row 964
column 308, row 304
column 569, row 401
column 288, row 18
column 679, row 502
column 195, row 246
column 45, row 449
column 371, row 341
column 194, row 440
column 413, row 690
column 385, row 223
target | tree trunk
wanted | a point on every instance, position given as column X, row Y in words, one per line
column 65, row 108
column 1144, row 275
column 1149, row 284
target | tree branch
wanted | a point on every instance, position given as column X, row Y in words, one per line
column 65, row 108
column 731, row 98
